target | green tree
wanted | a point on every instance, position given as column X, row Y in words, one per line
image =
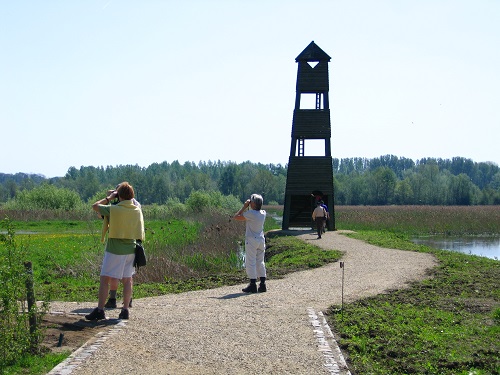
column 264, row 184
column 419, row 186
column 357, row 180
column 381, row 185
column 403, row 193
column 228, row 181
column 461, row 190
column 495, row 182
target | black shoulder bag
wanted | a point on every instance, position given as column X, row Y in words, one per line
column 140, row 255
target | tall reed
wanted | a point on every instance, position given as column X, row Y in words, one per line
column 192, row 248
column 447, row 220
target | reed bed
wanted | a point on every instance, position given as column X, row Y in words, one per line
column 46, row 214
column 445, row 220
column 192, row 249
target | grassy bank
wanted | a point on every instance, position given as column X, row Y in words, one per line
column 448, row 324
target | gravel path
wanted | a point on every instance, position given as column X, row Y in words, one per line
column 224, row 331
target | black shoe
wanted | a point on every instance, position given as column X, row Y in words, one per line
column 96, row 314
column 251, row 288
column 262, row 288
column 111, row 304
column 123, row 314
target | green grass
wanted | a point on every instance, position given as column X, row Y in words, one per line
column 287, row 254
column 57, row 226
column 65, row 266
column 447, row 324
column 35, row 365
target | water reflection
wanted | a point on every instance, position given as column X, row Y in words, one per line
column 483, row 246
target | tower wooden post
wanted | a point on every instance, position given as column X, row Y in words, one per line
column 309, row 178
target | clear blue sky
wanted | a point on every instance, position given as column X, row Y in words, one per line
column 108, row 82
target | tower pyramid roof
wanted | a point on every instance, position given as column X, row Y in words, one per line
column 312, row 53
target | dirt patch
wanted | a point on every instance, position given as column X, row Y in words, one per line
column 68, row 332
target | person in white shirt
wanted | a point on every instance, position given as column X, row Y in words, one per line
column 255, row 243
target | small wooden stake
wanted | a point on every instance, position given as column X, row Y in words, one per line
column 342, row 306
column 30, row 296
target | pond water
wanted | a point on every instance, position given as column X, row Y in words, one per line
column 483, row 246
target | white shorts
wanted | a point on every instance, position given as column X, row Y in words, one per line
column 118, row 266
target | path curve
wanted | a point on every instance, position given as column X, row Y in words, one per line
column 223, row 331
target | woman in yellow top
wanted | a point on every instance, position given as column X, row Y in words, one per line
column 126, row 225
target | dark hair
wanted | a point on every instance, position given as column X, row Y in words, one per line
column 125, row 191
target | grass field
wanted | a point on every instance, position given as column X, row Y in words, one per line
column 447, row 325
column 183, row 254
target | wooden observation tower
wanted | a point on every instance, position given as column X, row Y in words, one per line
column 309, row 177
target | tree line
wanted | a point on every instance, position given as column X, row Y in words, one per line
column 384, row 180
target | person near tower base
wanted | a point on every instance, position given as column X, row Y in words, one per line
column 319, row 215
column 255, row 243
column 327, row 216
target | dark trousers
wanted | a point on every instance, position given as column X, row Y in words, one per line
column 319, row 225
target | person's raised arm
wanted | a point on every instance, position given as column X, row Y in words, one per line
column 239, row 215
column 106, row 200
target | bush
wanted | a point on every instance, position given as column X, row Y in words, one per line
column 46, row 197
column 19, row 332
column 172, row 209
column 199, row 201
column 175, row 207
